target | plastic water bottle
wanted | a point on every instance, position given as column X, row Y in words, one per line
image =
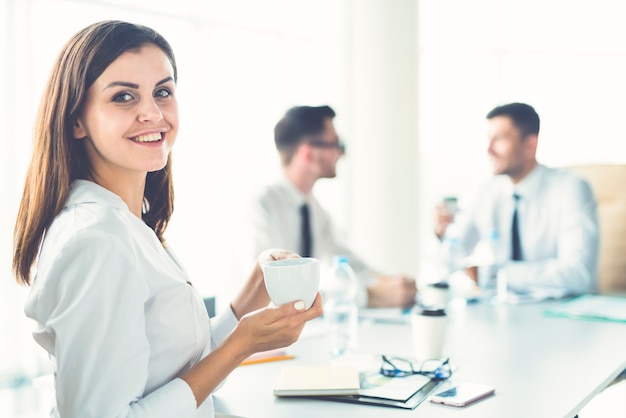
column 451, row 271
column 489, row 269
column 452, row 257
column 340, row 308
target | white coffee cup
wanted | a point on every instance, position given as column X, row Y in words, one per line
column 428, row 327
column 292, row 279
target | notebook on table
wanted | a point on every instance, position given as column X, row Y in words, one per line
column 396, row 392
column 317, row 380
column 346, row 384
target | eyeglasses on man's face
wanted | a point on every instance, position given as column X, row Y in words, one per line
column 437, row 369
column 338, row 145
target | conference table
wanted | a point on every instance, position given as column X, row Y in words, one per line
column 540, row 366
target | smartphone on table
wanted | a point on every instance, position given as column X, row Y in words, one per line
column 463, row 394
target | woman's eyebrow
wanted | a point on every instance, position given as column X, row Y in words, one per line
column 165, row 80
column 122, row 84
column 133, row 85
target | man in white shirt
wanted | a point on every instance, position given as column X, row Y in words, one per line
column 546, row 218
column 287, row 215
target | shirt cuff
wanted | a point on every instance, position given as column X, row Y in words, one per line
column 222, row 325
column 174, row 399
column 522, row 276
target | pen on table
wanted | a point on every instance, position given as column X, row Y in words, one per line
column 267, row 359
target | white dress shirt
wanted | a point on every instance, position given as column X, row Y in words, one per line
column 117, row 314
column 558, row 226
column 272, row 220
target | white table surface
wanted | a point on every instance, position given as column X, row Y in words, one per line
column 540, row 366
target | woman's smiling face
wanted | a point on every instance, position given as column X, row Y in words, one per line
column 130, row 117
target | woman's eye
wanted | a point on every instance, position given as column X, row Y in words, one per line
column 162, row 93
column 122, row 97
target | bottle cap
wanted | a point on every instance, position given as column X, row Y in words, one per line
column 338, row 259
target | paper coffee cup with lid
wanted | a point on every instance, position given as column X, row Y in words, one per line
column 428, row 328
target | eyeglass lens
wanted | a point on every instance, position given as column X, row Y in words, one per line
column 435, row 368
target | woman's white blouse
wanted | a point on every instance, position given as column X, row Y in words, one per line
column 116, row 312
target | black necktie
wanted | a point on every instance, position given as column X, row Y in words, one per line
column 516, row 243
column 307, row 240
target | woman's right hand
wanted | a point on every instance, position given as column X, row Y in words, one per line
column 274, row 327
column 261, row 330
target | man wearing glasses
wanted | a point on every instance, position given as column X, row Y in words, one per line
column 287, row 215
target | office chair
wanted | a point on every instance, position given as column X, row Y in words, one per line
column 608, row 182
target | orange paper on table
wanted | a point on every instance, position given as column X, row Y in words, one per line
column 267, row 356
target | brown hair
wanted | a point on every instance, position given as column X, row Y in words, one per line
column 293, row 128
column 58, row 159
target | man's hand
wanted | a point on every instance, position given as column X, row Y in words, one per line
column 442, row 217
column 395, row 291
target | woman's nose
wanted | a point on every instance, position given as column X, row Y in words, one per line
column 149, row 111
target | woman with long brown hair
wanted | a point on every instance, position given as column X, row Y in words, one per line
column 114, row 308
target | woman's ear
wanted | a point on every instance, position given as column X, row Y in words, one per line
column 79, row 130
